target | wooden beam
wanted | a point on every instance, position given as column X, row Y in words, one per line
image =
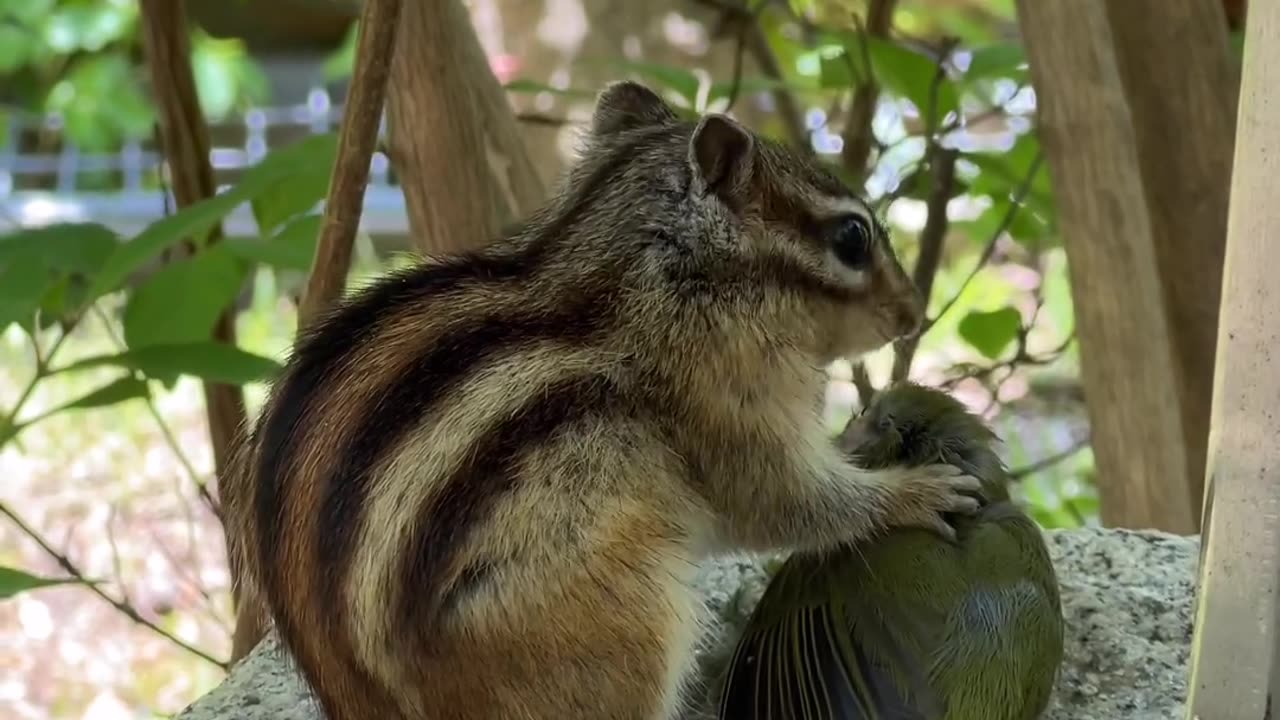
column 1234, row 660
column 1127, row 359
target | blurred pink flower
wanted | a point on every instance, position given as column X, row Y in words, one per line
column 504, row 66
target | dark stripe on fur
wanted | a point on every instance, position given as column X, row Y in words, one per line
column 323, row 349
column 406, row 402
column 450, row 516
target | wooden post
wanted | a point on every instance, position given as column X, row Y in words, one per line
column 1234, row 650
column 1126, row 343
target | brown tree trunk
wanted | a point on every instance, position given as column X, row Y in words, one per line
column 1127, row 344
column 454, row 141
column 1181, row 87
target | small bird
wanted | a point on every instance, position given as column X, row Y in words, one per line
column 909, row 625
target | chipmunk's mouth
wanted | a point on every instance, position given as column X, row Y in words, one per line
column 885, row 330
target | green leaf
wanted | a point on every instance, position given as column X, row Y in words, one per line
column 66, row 247
column 684, row 82
column 117, row 391
column 341, row 61
column 37, row 267
column 1001, row 60
column 286, row 182
column 1024, row 226
column 990, row 332
column 16, row 47
column 207, row 360
column 14, row 581
column 293, row 248
column 226, row 76
column 101, row 101
column 21, row 288
column 130, row 256
column 290, row 180
column 1004, row 171
column 749, row 84
column 835, row 72
column 181, row 302
column 909, row 74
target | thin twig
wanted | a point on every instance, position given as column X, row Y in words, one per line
column 788, row 108
column 124, row 608
column 988, row 250
column 202, row 488
column 1021, row 358
column 9, row 426
column 1051, row 460
column 533, row 118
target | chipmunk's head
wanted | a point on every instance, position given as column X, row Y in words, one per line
column 725, row 214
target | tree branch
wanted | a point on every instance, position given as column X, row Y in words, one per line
column 858, row 137
column 375, row 43
column 125, row 608
column 789, row 110
column 932, row 236
column 185, row 139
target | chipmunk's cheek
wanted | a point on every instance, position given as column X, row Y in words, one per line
column 862, row 333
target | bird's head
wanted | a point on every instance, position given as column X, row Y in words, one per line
column 917, row 425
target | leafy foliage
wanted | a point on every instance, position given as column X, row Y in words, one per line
column 82, row 61
column 170, row 307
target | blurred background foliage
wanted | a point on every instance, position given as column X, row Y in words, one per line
column 80, row 62
column 105, row 340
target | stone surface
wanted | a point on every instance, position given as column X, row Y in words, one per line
column 1127, row 600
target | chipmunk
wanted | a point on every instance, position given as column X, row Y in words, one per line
column 482, row 485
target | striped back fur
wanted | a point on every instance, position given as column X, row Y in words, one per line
column 480, row 487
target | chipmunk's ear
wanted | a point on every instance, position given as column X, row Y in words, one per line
column 625, row 105
column 722, row 156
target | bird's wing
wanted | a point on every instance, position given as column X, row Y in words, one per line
column 811, row 656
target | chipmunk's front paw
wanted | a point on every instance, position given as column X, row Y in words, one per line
column 922, row 495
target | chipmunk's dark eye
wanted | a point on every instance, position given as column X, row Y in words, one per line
column 852, row 241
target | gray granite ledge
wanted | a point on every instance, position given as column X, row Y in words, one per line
column 1127, row 598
